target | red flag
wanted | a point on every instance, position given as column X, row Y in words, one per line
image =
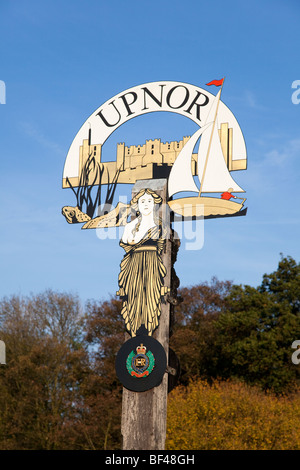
column 216, row 82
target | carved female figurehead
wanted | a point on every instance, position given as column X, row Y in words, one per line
column 141, row 278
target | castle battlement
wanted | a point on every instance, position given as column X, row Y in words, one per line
column 142, row 161
column 152, row 151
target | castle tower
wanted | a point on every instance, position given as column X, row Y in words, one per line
column 137, row 154
column 89, row 157
column 153, row 152
column 120, row 156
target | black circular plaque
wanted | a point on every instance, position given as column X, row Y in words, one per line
column 141, row 363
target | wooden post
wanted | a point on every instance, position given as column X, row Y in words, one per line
column 144, row 414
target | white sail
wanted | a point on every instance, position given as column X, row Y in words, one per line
column 181, row 177
column 210, row 155
column 214, row 107
column 217, row 177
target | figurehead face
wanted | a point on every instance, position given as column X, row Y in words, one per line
column 145, row 201
column 146, row 204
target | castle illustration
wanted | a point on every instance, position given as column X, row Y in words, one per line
column 153, row 159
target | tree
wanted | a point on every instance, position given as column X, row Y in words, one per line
column 46, row 365
column 226, row 330
column 284, row 284
column 195, row 333
column 229, row 415
column 104, row 334
column 258, row 328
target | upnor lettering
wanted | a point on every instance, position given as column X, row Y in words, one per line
column 138, row 102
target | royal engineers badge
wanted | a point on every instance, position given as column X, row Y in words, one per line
column 140, row 364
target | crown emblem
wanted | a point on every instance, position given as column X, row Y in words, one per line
column 140, row 364
column 141, row 349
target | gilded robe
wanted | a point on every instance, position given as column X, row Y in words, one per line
column 141, row 282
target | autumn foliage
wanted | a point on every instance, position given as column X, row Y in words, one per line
column 230, row 415
column 238, row 389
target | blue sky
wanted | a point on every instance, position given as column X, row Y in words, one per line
column 60, row 60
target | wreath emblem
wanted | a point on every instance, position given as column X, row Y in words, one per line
column 140, row 364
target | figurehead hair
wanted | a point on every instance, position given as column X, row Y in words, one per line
column 134, row 200
column 134, row 205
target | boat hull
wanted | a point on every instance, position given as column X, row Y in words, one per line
column 204, row 206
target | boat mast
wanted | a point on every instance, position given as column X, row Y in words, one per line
column 210, row 141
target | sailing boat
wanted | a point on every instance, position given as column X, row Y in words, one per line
column 212, row 171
